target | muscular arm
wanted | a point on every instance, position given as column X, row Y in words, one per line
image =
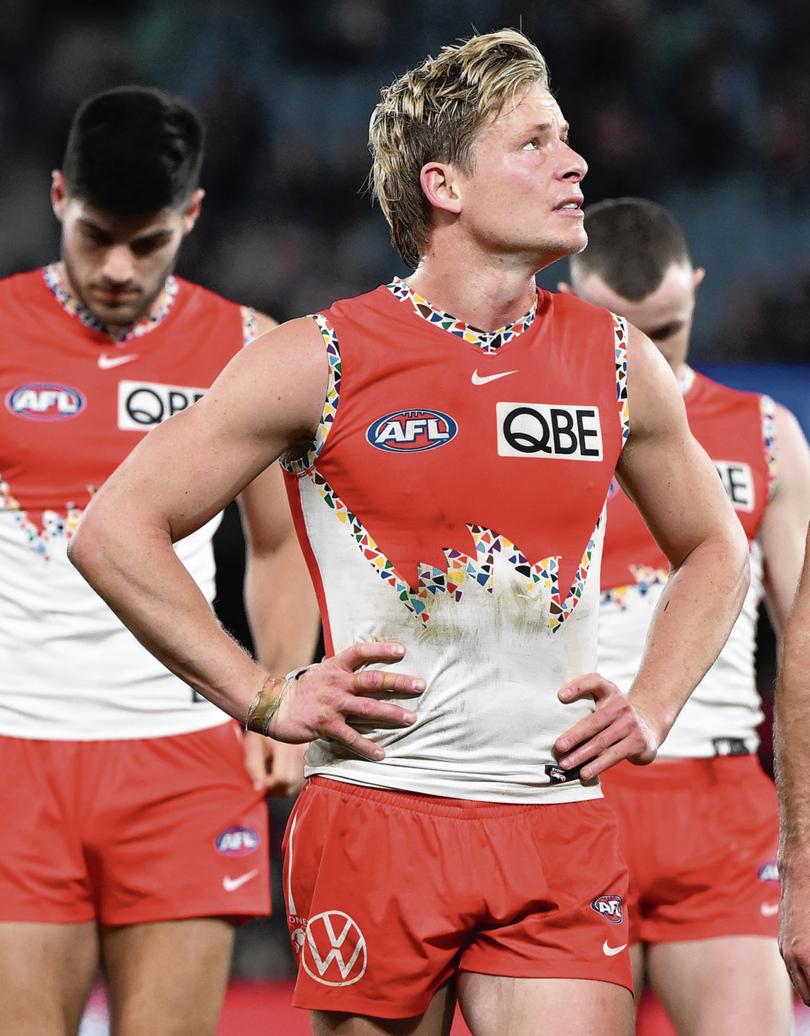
column 676, row 488
column 184, row 472
column 269, row 398
column 793, row 781
column 783, row 526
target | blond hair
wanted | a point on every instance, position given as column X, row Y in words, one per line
column 432, row 114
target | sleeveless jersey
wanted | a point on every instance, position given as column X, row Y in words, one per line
column 737, row 431
column 453, row 501
column 73, row 405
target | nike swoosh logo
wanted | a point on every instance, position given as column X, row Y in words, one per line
column 232, row 884
column 482, row 379
column 769, row 909
column 108, row 362
column 611, row 951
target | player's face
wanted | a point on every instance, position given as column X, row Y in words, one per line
column 117, row 266
column 523, row 197
column 665, row 315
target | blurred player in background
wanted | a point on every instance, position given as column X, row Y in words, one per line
column 131, row 833
column 448, row 476
column 792, row 742
column 699, row 826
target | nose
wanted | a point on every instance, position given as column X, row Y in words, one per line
column 118, row 266
column 573, row 166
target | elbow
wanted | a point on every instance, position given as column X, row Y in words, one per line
column 84, row 547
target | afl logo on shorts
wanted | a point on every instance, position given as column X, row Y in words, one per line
column 609, row 907
column 237, row 841
column 412, row 431
column 41, row 401
column 768, row 871
column 334, row 949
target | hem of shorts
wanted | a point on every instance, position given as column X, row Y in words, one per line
column 64, row 735
column 695, row 934
column 36, row 916
column 363, row 1006
column 582, row 973
column 125, row 919
column 514, row 795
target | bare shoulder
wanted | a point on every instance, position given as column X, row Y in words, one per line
column 654, row 397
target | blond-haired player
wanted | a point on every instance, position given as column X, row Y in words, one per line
column 449, row 442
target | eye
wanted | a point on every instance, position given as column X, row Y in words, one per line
column 531, row 145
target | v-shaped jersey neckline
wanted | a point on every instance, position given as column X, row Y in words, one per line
column 489, row 342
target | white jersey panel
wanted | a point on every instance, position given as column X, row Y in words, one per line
column 726, row 703
column 492, row 667
column 69, row 669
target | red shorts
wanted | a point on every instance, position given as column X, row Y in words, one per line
column 125, row 832
column 389, row 894
column 699, row 837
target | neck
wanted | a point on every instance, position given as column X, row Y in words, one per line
column 486, row 291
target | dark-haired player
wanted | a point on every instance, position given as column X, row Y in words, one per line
column 130, row 831
column 699, row 826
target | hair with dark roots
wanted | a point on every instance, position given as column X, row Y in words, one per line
column 432, row 114
column 134, row 150
column 632, row 243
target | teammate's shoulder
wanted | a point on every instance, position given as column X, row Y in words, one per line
column 21, row 283
column 708, row 386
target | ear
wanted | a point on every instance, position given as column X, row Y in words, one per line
column 58, row 193
column 441, row 186
column 564, row 288
column 697, row 278
column 192, row 210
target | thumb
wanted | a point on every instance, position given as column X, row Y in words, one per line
column 590, row 685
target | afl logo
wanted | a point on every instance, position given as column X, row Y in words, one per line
column 609, row 907
column 412, row 431
column 41, row 401
column 237, row 841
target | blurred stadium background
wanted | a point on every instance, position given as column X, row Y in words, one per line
column 703, row 106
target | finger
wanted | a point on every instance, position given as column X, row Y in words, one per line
column 798, row 977
column 608, row 757
column 379, row 712
column 582, row 732
column 364, row 652
column 589, row 685
column 381, row 682
column 355, row 742
column 256, row 756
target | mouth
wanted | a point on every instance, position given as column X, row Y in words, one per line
column 570, row 206
column 115, row 295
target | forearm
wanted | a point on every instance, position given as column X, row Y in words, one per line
column 700, row 603
column 281, row 608
column 135, row 570
column 792, row 738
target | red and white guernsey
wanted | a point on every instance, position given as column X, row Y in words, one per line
column 453, row 501
column 737, row 431
column 73, row 404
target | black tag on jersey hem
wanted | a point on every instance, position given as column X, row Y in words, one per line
column 559, row 775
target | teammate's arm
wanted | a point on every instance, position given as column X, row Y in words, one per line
column 675, row 486
column 792, row 743
column 268, row 399
column 282, row 613
column 785, row 520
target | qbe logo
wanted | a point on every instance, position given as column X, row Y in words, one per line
column 412, row 431
column 738, row 482
column 43, row 401
column 609, row 907
column 549, row 430
column 143, row 405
